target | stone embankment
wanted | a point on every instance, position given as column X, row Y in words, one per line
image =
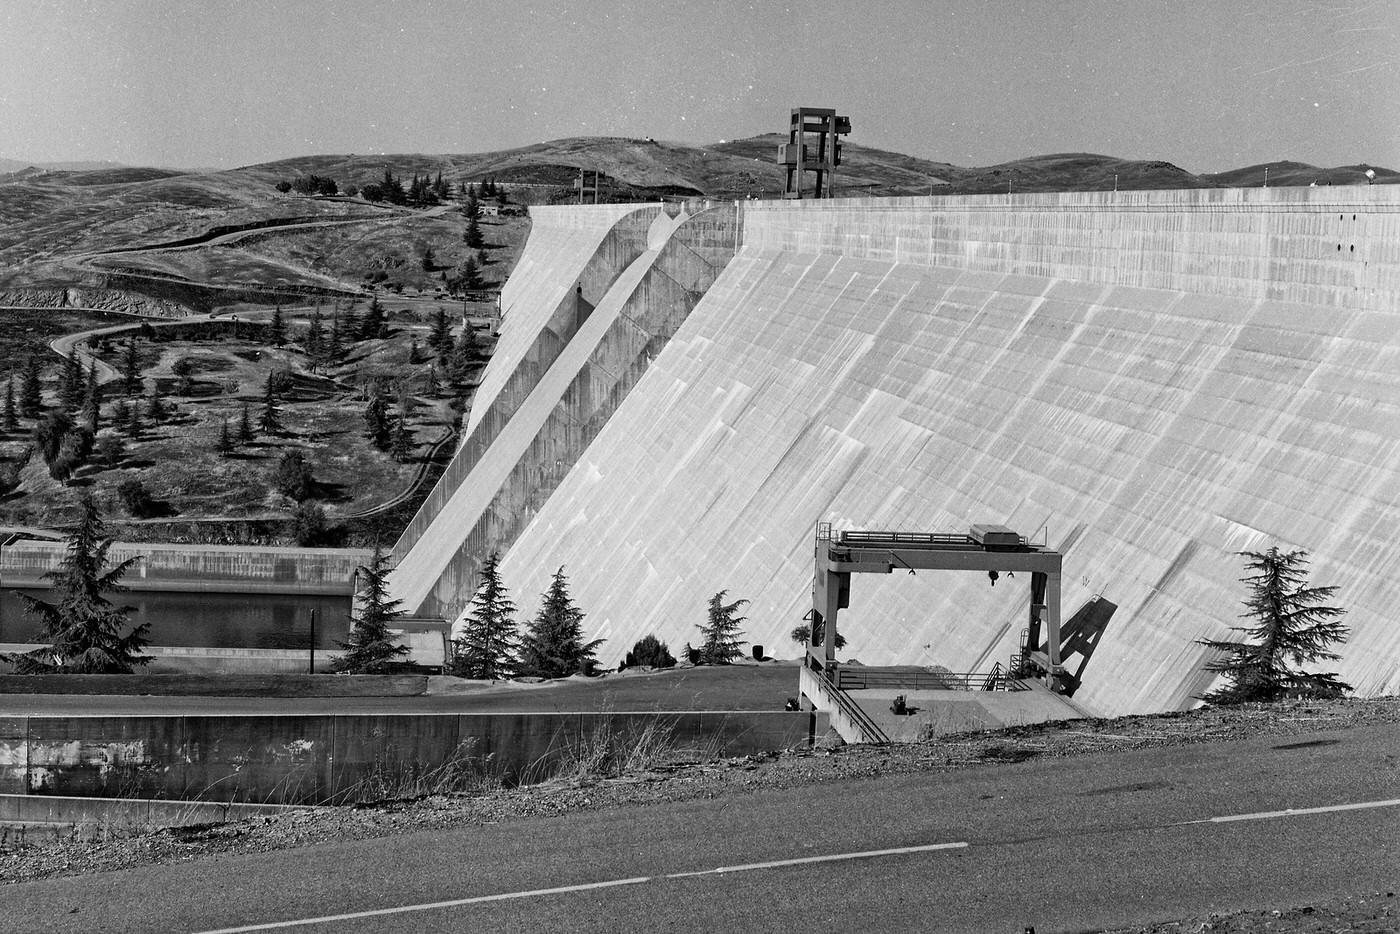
column 115, row 301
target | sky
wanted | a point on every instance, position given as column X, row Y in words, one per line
column 1208, row 85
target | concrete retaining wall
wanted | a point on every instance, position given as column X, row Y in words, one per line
column 200, row 568
column 330, row 759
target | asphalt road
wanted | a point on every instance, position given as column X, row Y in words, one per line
column 1078, row 844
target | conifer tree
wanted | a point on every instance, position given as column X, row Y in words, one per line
column 70, row 391
column 469, row 275
column 224, row 444
column 315, row 338
column 10, row 415
column 401, row 440
column 334, row 346
column 276, row 328
column 269, row 422
column 31, row 389
column 92, row 394
column 245, row 426
column 1290, row 625
column 554, row 647
column 415, row 352
column 131, row 370
column 372, row 325
column 720, row 632
column 486, row 646
column 155, row 408
column 431, row 385
column 473, row 236
column 82, row 631
column 350, row 326
column 121, row 415
column 135, row 426
column 371, row 648
column 377, row 426
column 440, row 336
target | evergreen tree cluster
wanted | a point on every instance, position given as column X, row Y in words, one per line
column 311, row 185
column 327, row 347
column 488, row 646
column 422, row 191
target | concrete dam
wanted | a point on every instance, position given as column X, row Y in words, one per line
column 1149, row 382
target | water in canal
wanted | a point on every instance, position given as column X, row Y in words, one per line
column 209, row 620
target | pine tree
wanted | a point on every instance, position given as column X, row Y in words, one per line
column 92, row 394
column 10, row 416
column 372, row 325
column 224, row 444
column 485, row 649
column 415, row 352
column 245, row 426
column 440, row 336
column 131, row 370
column 554, row 646
column 473, row 236
column 401, row 440
column 155, row 408
column 31, row 388
column 721, row 632
column 70, row 391
column 276, row 329
column 134, row 425
column 333, row 350
column 431, row 385
column 83, row 632
column 371, row 649
column 377, row 427
column 121, row 415
column 268, row 421
column 315, row 338
column 1291, row 625
column 350, row 326
column 469, row 275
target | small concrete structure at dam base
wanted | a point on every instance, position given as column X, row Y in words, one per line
column 1152, row 381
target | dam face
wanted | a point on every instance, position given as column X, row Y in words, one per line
column 1149, row 382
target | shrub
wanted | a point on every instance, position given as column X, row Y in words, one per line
column 136, row 499
column 293, row 477
column 650, row 652
column 309, row 526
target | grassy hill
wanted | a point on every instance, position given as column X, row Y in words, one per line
column 82, row 238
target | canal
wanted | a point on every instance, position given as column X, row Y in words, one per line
column 209, row 620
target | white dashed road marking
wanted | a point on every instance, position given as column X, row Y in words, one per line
column 615, row 883
column 746, row 867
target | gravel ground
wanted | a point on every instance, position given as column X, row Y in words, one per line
column 663, row 779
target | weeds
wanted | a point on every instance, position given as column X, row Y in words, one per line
column 616, row 745
column 391, row 777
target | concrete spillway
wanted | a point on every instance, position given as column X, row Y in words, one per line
column 1150, row 381
column 562, row 365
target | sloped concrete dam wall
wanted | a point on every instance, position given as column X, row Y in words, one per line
column 530, row 424
column 1150, row 381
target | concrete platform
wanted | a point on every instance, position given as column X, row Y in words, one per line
column 938, row 713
